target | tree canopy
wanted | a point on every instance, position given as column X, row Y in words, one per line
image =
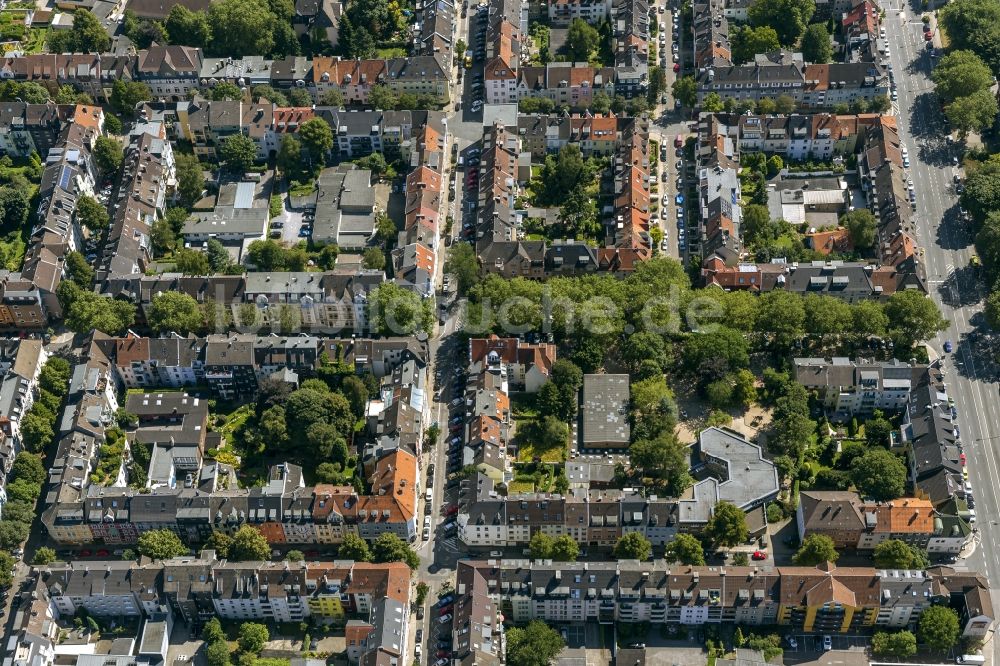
column 686, row 549
column 816, row 549
column 789, row 18
column 160, row 545
column 248, row 545
column 537, row 644
column 879, row 474
column 816, row 45
column 174, row 311
column 633, row 546
column 727, row 526
column 582, row 39
column 938, row 628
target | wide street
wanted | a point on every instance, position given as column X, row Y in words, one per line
column 948, row 249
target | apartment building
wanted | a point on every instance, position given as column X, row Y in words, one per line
column 857, row 388
column 853, row 523
column 171, row 72
column 526, row 366
column 822, row 599
column 726, row 468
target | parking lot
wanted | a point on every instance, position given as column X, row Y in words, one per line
column 814, row 642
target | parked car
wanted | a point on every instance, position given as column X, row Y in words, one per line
column 445, row 619
column 759, row 555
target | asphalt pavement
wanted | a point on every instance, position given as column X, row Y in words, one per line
column 948, row 248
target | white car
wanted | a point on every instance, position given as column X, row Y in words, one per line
column 427, row 534
column 445, row 619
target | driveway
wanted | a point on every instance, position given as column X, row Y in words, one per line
column 291, row 220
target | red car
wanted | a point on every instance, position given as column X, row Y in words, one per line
column 103, row 553
column 677, row 67
column 445, row 610
column 452, row 510
column 759, row 555
column 961, row 457
column 443, row 653
column 85, row 553
column 928, row 36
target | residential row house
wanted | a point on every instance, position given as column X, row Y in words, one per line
column 725, row 466
column 504, row 166
column 28, row 297
column 21, row 362
column 853, row 523
column 148, row 175
column 196, row 588
column 847, row 388
column 825, row 598
column 330, row 302
column 852, row 281
column 781, row 73
column 235, row 365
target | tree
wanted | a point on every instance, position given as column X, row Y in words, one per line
column 748, row 41
column 248, row 545
column 397, row 311
column 381, row 97
column 643, row 346
column 564, row 548
column 218, row 257
column 191, row 262
column 582, row 39
column 86, row 311
column 224, row 90
column 879, row 474
column 898, row 644
column 14, row 205
column 712, row 103
column 973, row 113
column 174, row 311
column 861, row 227
column 88, row 35
column 79, row 270
column 633, row 546
column 190, row 179
column 664, row 457
column 784, row 104
column 938, row 628
column 160, row 545
column 789, row 18
column 241, row 27
column 992, row 310
column 212, row 630
column 897, row 554
column 388, row 547
column 816, row 46
column 686, row 549
column 36, row 431
column 112, row 125
column 294, row 556
column 715, row 353
column 877, row 431
column 253, row 636
column 289, row 158
column 220, row 542
column 188, row 28
column 217, row 652
column 960, row 74
column 332, row 97
column 913, row 316
column 974, row 25
column 126, row 95
column 28, row 466
column 600, row 103
column 107, row 154
column 317, row 138
column 91, row 214
column 540, row 546
column 727, row 526
column 744, row 388
column 43, row 556
column 23, row 491
column 239, row 152
column 6, row 566
column 354, row 548
column 373, row 258
column 463, row 264
column 553, row 433
column 816, row 549
column 686, row 90
column 535, row 645
column 12, row 535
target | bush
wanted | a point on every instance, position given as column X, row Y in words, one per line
column 775, row 514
